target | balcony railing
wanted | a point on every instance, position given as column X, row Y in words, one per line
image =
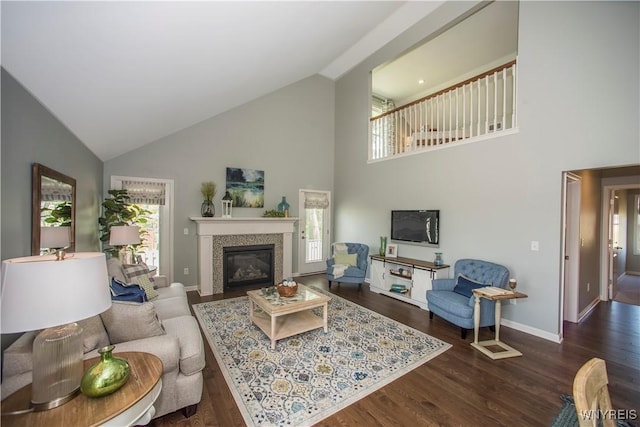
column 474, row 109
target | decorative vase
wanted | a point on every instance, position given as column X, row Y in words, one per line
column 283, row 206
column 207, row 209
column 438, row 260
column 106, row 376
column 383, row 246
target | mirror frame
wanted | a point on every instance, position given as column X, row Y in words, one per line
column 37, row 172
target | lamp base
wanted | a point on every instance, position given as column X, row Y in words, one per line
column 57, row 366
column 125, row 256
column 45, row 406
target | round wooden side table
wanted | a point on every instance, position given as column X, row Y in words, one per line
column 130, row 405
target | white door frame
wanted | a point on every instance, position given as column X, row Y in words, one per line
column 570, row 251
column 303, row 266
column 166, row 226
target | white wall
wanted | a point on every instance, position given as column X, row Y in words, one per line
column 289, row 134
column 577, row 107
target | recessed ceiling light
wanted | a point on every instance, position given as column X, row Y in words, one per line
column 421, row 81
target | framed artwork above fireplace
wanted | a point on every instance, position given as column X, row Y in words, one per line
column 246, row 187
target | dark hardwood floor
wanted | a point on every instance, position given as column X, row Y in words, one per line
column 462, row 387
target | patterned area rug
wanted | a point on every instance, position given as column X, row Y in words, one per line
column 312, row 375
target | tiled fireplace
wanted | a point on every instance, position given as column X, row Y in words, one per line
column 246, row 267
column 216, row 234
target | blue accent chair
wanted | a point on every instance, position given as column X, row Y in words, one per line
column 459, row 309
column 353, row 274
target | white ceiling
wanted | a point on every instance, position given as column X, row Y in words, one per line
column 482, row 41
column 120, row 75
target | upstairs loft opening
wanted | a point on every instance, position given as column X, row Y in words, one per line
column 458, row 87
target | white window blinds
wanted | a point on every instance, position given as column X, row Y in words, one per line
column 313, row 200
column 55, row 191
column 145, row 192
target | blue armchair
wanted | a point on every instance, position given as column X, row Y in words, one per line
column 348, row 263
column 458, row 308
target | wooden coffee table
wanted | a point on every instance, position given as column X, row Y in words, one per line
column 282, row 317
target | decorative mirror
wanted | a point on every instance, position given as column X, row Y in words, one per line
column 53, row 204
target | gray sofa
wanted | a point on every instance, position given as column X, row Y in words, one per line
column 163, row 327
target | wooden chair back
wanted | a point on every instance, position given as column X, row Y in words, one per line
column 591, row 395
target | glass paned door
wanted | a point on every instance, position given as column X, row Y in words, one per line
column 149, row 251
column 315, row 217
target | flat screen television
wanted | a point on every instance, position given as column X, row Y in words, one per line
column 416, row 226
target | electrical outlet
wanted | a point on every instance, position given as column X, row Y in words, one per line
column 512, row 301
column 588, row 286
column 535, row 245
column 186, row 231
column 186, row 271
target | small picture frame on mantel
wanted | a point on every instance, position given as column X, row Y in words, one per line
column 392, row 251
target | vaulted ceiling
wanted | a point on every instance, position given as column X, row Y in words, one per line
column 120, row 75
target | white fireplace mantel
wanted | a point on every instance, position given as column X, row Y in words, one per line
column 207, row 228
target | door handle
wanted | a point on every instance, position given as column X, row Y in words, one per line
column 566, row 257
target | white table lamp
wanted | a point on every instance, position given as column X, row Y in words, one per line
column 40, row 292
column 123, row 236
column 55, row 238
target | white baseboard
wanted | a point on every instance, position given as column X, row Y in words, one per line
column 588, row 309
column 191, row 288
column 517, row 326
column 631, row 273
column 531, row 331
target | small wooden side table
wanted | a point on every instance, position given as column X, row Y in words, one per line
column 130, row 405
column 497, row 295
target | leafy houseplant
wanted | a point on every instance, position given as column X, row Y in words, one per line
column 208, row 190
column 118, row 211
column 58, row 215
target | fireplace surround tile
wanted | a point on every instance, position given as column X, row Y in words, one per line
column 210, row 260
column 220, row 242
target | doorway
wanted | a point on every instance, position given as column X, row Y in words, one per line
column 596, row 185
column 314, row 224
column 620, row 247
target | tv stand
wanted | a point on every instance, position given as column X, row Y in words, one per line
column 405, row 279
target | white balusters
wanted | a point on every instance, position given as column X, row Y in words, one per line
column 467, row 111
column 504, row 98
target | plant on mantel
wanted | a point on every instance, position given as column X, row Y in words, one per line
column 118, row 211
column 208, row 190
column 273, row 214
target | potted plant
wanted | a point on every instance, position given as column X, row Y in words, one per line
column 57, row 214
column 118, row 211
column 208, row 190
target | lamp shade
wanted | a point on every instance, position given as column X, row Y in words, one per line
column 39, row 292
column 54, row 237
column 121, row 235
